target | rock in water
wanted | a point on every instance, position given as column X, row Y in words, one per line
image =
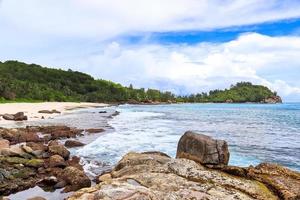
column 73, row 143
column 203, row 149
column 59, row 150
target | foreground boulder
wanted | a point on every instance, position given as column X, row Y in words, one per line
column 203, row 149
column 156, row 176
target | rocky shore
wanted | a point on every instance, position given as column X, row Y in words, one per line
column 36, row 156
column 200, row 172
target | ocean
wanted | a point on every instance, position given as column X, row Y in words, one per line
column 255, row 132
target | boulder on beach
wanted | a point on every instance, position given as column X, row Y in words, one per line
column 19, row 116
column 73, row 143
column 203, row 149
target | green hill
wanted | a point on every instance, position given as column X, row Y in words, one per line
column 29, row 82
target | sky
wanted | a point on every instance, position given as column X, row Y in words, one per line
column 183, row 46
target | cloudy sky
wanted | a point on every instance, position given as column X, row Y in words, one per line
column 184, row 46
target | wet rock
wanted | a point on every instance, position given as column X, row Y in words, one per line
column 284, row 182
column 59, row 150
column 57, row 161
column 94, row 130
column 203, row 149
column 60, row 184
column 102, row 111
column 75, row 179
column 75, row 162
column 73, row 143
column 48, row 181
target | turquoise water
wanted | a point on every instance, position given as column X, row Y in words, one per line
column 255, row 132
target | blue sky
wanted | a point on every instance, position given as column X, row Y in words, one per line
column 184, row 46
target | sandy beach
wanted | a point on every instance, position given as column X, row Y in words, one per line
column 31, row 110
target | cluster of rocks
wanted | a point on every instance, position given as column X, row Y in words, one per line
column 19, row 116
column 33, row 156
column 47, row 165
column 200, row 171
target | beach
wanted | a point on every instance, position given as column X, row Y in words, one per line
column 31, row 110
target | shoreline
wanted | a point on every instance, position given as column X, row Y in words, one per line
column 31, row 110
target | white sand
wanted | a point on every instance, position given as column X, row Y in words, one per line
column 31, row 109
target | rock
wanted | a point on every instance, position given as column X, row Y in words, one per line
column 285, row 182
column 20, row 116
column 73, row 143
column 60, row 184
column 48, row 181
column 37, row 146
column 49, row 111
column 95, row 130
column 36, row 198
column 27, row 149
column 53, row 142
column 156, row 176
column 102, row 111
column 75, row 179
column 103, row 178
column 57, row 161
column 8, row 117
column 203, row 149
column 36, row 163
column 59, row 150
column 4, row 144
column 273, row 100
column 15, row 151
column 74, row 162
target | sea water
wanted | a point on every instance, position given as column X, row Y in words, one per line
column 255, row 132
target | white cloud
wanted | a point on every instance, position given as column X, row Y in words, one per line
column 181, row 68
column 106, row 19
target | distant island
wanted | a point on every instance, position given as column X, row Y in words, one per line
column 21, row 82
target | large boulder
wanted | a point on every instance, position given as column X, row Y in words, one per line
column 75, row 179
column 203, row 149
column 157, row 176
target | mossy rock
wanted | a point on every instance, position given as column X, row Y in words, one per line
column 15, row 160
column 36, row 163
column 24, row 173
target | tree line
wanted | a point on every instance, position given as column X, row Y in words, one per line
column 30, row 82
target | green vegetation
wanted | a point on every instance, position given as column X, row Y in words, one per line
column 21, row 82
column 240, row 93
